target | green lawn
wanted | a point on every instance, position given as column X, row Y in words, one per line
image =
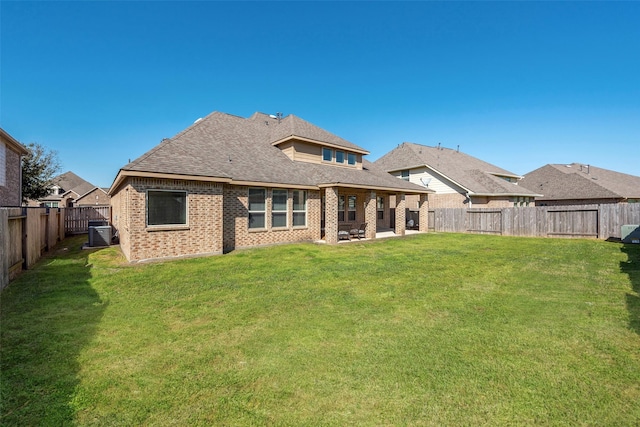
column 435, row 329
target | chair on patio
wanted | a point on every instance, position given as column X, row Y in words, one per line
column 343, row 231
column 359, row 232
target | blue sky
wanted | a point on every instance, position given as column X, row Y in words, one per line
column 517, row 84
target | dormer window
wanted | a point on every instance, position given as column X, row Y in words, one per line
column 405, row 175
column 339, row 156
column 351, row 158
column 327, row 154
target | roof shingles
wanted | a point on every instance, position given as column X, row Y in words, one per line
column 473, row 174
column 226, row 146
column 577, row 181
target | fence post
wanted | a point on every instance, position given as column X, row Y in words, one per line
column 4, row 248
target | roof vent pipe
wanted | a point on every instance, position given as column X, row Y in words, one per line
column 279, row 116
column 438, row 146
column 458, row 150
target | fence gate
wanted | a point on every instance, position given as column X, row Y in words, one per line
column 76, row 220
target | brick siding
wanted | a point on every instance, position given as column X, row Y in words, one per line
column 217, row 220
column 236, row 221
column 10, row 191
column 94, row 197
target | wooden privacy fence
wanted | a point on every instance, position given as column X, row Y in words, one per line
column 27, row 233
column 597, row 221
column 76, row 220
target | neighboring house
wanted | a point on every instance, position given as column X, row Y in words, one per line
column 458, row 180
column 230, row 182
column 11, row 152
column 69, row 190
column 579, row 184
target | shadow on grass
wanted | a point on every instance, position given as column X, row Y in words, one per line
column 631, row 266
column 47, row 316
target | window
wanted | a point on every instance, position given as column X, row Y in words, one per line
column 257, row 207
column 340, row 208
column 327, row 154
column 299, row 208
column 165, row 207
column 352, row 208
column 405, row 175
column 380, row 207
column 279, row 208
column 351, row 158
column 339, row 156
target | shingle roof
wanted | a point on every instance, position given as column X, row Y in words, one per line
column 475, row 175
column 295, row 126
column 578, row 181
column 231, row 147
column 69, row 182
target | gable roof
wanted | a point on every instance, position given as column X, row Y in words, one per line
column 578, row 181
column 13, row 143
column 472, row 174
column 228, row 148
column 292, row 126
column 70, row 183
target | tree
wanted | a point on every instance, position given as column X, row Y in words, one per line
column 38, row 169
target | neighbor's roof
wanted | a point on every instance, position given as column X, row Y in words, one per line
column 242, row 150
column 472, row 174
column 579, row 181
column 70, row 182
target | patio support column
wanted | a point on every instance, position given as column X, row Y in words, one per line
column 331, row 215
column 424, row 213
column 401, row 216
column 370, row 216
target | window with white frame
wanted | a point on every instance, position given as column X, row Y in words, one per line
column 405, row 175
column 351, row 159
column 327, row 154
column 257, row 207
column 352, row 208
column 279, row 208
column 166, row 207
column 339, row 156
column 299, row 208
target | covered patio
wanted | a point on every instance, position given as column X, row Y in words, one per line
column 357, row 213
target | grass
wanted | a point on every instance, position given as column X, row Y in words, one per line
column 436, row 329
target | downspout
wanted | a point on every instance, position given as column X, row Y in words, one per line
column 469, row 197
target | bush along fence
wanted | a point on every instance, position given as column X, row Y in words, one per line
column 603, row 221
column 27, row 233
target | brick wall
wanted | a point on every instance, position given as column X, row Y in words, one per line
column 202, row 235
column 95, row 197
column 10, row 191
column 236, row 221
column 217, row 220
